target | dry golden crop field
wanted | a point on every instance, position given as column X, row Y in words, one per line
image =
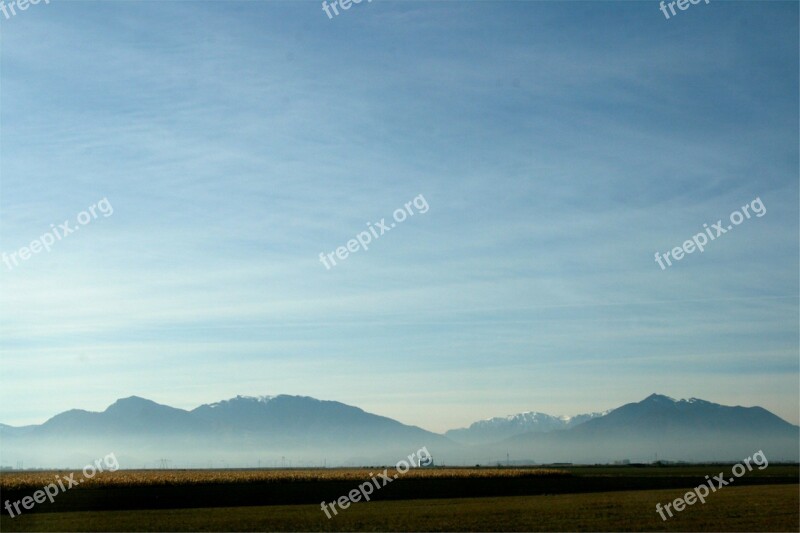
column 132, row 478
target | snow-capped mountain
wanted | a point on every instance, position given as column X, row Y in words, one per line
column 241, row 430
column 500, row 428
column 244, row 431
column 666, row 428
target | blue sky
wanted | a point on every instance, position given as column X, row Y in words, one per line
column 559, row 145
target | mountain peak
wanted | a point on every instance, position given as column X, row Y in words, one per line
column 240, row 400
column 130, row 404
column 697, row 400
column 260, row 399
column 497, row 428
column 133, row 400
column 660, row 398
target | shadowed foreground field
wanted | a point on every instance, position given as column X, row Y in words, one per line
column 754, row 508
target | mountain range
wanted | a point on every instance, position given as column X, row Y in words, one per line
column 500, row 428
column 302, row 431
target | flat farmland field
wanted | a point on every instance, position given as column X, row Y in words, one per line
column 440, row 499
column 754, row 508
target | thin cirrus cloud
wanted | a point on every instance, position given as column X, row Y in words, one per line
column 557, row 154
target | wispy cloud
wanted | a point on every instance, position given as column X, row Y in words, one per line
column 557, row 153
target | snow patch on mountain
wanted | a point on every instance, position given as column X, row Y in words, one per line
column 499, row 428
